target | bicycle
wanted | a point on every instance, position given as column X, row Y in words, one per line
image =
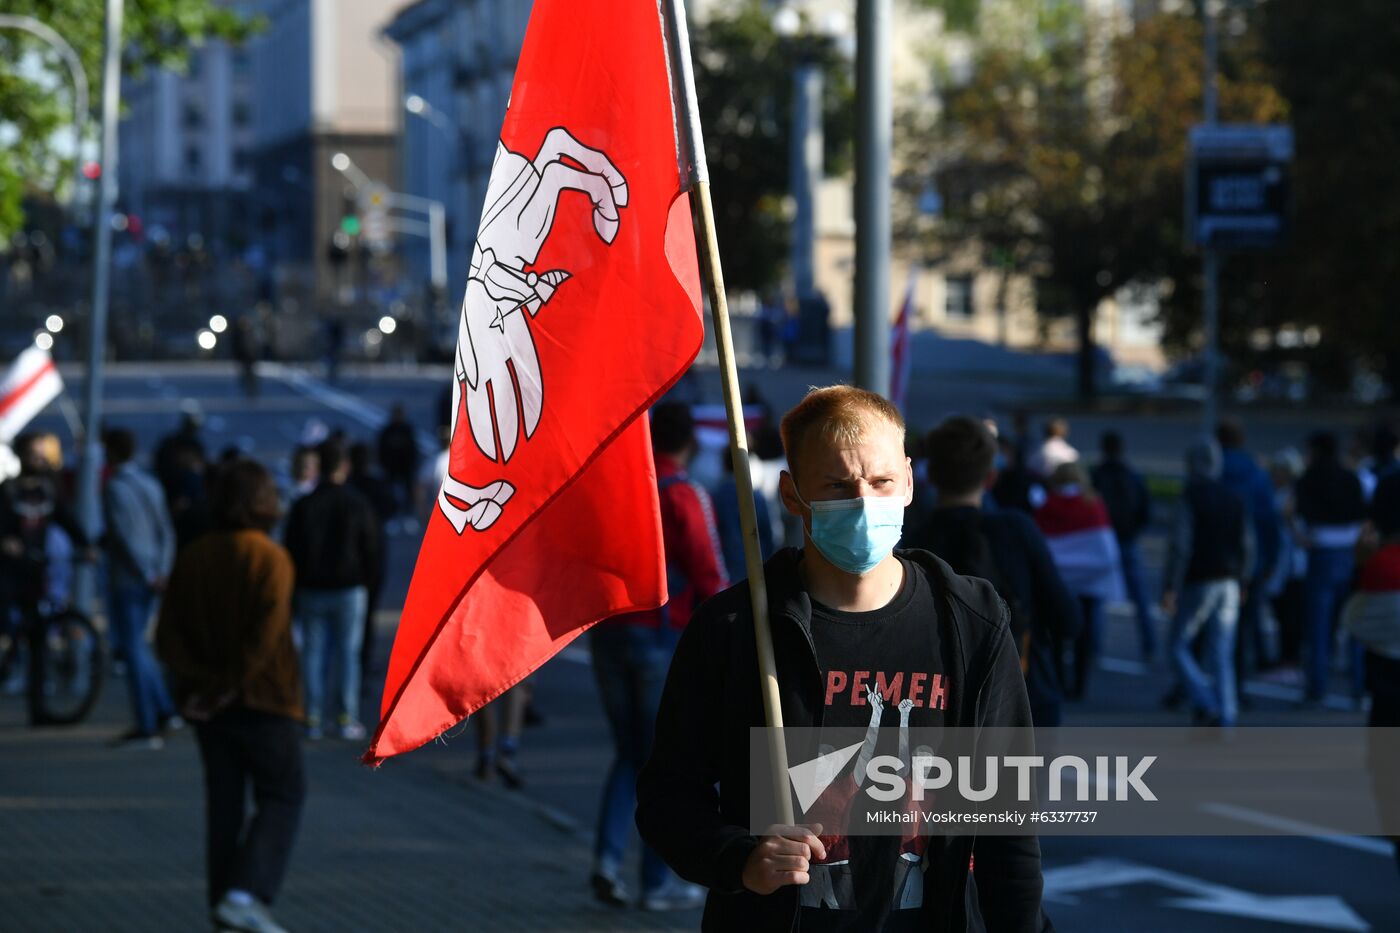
column 63, row 656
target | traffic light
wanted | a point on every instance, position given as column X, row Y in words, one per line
column 349, row 216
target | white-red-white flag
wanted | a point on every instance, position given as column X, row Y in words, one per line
column 899, row 347
column 26, row 390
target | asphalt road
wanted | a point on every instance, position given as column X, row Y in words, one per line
column 1247, row 885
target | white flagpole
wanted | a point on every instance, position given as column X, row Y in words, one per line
column 696, row 178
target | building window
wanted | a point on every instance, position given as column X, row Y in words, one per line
column 193, row 117
column 192, row 159
column 959, row 297
column 241, row 161
column 242, row 113
column 241, row 64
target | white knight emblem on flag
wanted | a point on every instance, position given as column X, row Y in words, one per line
column 497, row 367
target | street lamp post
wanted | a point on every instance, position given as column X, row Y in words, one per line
column 437, row 214
column 435, row 229
column 1210, row 256
column 874, row 130
column 89, row 502
column 75, row 70
column 810, row 39
column 804, row 151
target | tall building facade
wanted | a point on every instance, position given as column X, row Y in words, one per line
column 185, row 142
column 323, row 82
column 458, row 57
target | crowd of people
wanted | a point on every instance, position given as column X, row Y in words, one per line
column 256, row 644
column 263, row 591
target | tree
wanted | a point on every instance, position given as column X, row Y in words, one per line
column 36, row 102
column 1064, row 155
column 1336, row 65
column 743, row 78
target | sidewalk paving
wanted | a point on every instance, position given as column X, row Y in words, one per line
column 94, row 838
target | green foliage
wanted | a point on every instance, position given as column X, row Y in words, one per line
column 1065, row 157
column 1336, row 65
column 744, row 81
column 157, row 33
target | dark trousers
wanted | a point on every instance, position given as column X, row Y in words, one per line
column 1086, row 644
column 242, row 748
column 1289, row 610
column 1383, row 681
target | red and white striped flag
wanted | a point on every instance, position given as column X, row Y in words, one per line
column 32, row 382
column 899, row 347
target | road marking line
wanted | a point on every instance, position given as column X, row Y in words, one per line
column 1123, row 666
column 1294, row 827
column 371, row 416
column 577, row 654
column 1254, row 688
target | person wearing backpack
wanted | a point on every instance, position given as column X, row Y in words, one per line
column 1372, row 617
column 1077, row 529
column 1003, row 547
column 631, row 654
column 1130, row 510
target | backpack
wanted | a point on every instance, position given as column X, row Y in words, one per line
column 967, row 549
column 1126, row 499
column 675, row 579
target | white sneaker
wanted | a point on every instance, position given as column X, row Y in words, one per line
column 677, row 895
column 352, row 731
column 253, row 917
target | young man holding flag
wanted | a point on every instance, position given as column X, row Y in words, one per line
column 845, row 603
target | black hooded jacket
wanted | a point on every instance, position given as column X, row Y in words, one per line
column 693, row 793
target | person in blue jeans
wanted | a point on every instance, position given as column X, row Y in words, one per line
column 1130, row 509
column 1331, row 511
column 1210, row 552
column 632, row 653
column 1242, row 474
column 140, row 541
column 333, row 536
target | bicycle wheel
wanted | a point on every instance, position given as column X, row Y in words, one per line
column 71, row 669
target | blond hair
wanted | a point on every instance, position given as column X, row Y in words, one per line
column 840, row 414
column 1074, row 474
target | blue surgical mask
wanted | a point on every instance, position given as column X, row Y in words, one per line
column 856, row 534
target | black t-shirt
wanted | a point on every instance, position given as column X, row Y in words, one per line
column 892, row 652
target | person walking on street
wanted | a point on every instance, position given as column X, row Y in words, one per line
column 1210, row 554
column 332, row 535
column 1287, row 586
column 1053, row 452
column 140, row 542
column 845, row 608
column 225, row 633
column 1076, row 525
column 399, row 458
column 1372, row 617
column 731, row 532
column 1004, row 547
column 371, row 485
column 1130, row 509
column 1330, row 512
column 37, row 528
column 632, row 652
column 1243, row 476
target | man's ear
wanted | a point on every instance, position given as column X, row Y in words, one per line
column 787, row 491
column 909, row 480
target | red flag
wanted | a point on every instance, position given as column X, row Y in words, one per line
column 899, row 347
column 581, row 309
